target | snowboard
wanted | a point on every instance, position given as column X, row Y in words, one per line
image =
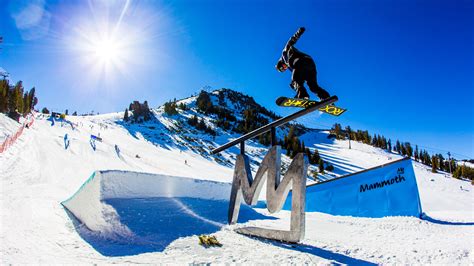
column 303, row 103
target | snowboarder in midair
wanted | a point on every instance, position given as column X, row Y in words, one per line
column 303, row 69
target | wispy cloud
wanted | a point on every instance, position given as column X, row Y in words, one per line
column 31, row 18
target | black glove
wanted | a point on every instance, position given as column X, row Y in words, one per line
column 298, row 34
column 293, row 85
column 294, row 38
column 300, row 31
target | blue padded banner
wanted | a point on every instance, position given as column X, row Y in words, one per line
column 387, row 190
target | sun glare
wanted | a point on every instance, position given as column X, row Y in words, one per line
column 106, row 51
column 108, row 40
column 112, row 42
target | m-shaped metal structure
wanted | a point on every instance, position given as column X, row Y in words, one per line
column 249, row 187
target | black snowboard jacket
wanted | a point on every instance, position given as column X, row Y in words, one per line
column 290, row 55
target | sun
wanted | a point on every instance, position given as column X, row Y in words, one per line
column 107, row 51
column 107, row 44
column 103, row 54
column 113, row 41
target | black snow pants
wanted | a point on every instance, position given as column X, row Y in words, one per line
column 305, row 70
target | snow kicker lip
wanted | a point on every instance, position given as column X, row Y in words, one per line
column 88, row 205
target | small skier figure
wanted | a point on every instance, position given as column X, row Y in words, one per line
column 92, row 142
column 66, row 141
column 303, row 69
column 117, row 150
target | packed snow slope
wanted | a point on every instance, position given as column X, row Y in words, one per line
column 37, row 173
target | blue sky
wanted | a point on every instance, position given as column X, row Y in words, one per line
column 404, row 69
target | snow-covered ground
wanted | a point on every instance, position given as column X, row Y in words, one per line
column 38, row 173
column 8, row 127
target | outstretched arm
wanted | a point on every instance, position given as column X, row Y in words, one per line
column 294, row 38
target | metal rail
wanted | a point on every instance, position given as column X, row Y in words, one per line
column 274, row 124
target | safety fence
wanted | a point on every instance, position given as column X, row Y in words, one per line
column 10, row 140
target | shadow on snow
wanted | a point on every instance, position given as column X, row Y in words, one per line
column 158, row 134
column 156, row 222
column 153, row 131
column 436, row 221
column 325, row 254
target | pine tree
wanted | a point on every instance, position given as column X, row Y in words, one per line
column 453, row 164
column 417, row 156
column 15, row 100
column 368, row 136
column 404, row 151
column 321, row 166
column 457, row 172
column 4, row 91
column 170, row 108
column 140, row 112
column 125, row 116
column 19, row 97
column 337, row 130
column 182, row 106
column 315, row 157
column 379, row 141
column 398, row 147
column 11, row 105
column 193, row 121
column 330, row 167
column 295, row 146
column 408, row 149
column 374, row 141
column 434, row 164
column 26, row 104
column 308, row 155
column 32, row 98
column 201, row 125
column 291, row 133
column 203, row 102
column 441, row 162
column 429, row 159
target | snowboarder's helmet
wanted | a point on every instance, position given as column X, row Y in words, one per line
column 281, row 66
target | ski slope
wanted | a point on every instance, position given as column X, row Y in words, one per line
column 37, row 173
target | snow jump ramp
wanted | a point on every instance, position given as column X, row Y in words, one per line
column 123, row 213
column 88, row 203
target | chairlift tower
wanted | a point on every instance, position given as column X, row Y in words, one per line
column 449, row 158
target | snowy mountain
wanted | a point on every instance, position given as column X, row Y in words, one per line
column 51, row 160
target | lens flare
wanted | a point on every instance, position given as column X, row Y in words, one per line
column 106, row 51
column 109, row 46
column 98, row 40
